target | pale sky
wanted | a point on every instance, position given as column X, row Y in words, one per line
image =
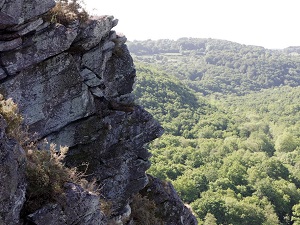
column 267, row 23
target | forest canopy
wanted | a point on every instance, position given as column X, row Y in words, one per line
column 231, row 114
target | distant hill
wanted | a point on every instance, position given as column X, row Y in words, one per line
column 171, row 102
column 218, row 66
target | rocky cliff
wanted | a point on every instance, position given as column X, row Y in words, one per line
column 73, row 85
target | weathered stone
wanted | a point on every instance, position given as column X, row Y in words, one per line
column 43, row 45
column 120, row 39
column 2, row 74
column 43, row 26
column 94, row 32
column 12, row 178
column 90, row 79
column 97, row 92
column 78, row 206
column 8, row 36
column 52, row 213
column 116, row 153
column 7, row 20
column 27, row 27
column 119, row 75
column 92, row 59
column 126, row 99
column 170, row 208
column 108, row 46
column 112, row 35
column 10, row 45
column 81, row 206
column 50, row 94
column 96, row 60
column 1, row 3
column 16, row 12
column 86, row 74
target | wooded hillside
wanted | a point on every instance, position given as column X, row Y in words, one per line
column 231, row 115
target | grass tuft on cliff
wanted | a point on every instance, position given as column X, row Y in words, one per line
column 67, row 11
column 46, row 174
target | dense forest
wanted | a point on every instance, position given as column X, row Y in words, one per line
column 231, row 115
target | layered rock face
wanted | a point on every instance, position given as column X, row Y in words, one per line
column 73, row 86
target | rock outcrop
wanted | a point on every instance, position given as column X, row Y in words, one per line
column 73, row 86
column 78, row 207
column 169, row 206
column 12, row 178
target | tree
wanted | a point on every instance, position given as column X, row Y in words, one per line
column 210, row 219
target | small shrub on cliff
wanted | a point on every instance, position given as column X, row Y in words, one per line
column 9, row 110
column 46, row 174
column 67, row 11
column 143, row 211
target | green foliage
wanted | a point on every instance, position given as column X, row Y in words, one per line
column 172, row 103
column 210, row 219
column 234, row 159
column 296, row 214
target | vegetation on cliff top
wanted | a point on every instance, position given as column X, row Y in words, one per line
column 66, row 11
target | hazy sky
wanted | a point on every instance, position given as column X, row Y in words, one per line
column 267, row 23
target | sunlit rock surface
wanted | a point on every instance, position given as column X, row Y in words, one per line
column 73, row 86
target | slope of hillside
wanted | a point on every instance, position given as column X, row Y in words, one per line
column 173, row 104
column 236, row 160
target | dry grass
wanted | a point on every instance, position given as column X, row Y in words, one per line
column 45, row 171
column 9, row 111
column 144, row 211
column 66, row 12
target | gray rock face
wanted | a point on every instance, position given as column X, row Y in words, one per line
column 77, row 206
column 115, row 153
column 94, row 32
column 12, row 178
column 169, row 206
column 73, row 87
column 15, row 12
column 37, row 48
column 10, row 45
column 50, row 94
